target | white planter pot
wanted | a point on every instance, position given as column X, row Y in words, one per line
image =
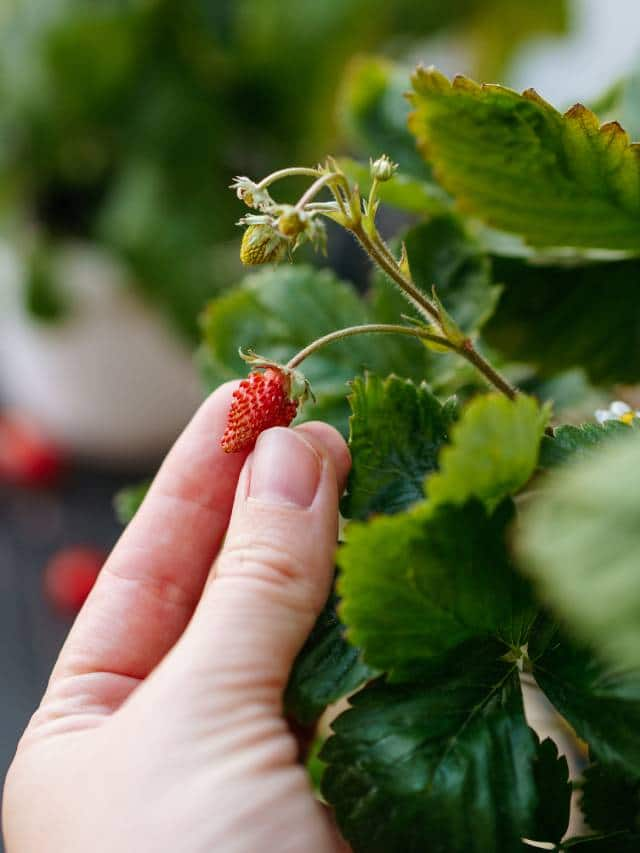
column 110, row 382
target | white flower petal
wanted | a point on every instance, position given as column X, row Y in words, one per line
column 618, row 408
column 603, row 415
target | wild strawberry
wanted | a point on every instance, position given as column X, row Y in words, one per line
column 27, row 457
column 263, row 400
column 70, row 575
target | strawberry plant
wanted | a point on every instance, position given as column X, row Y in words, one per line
column 489, row 546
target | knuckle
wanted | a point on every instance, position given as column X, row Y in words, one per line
column 279, row 572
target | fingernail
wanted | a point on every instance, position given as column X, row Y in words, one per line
column 285, row 469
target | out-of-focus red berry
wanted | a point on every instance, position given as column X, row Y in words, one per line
column 27, row 456
column 70, row 575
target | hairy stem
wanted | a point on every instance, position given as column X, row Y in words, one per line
column 489, row 372
column 429, row 311
column 416, row 297
column 367, row 329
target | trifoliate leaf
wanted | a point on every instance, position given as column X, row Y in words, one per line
column 602, row 703
column 493, row 450
column 397, row 429
column 579, row 541
column 545, row 317
column 551, row 773
column 417, row 584
column 326, row 669
column 574, row 443
column 279, row 311
column 522, row 166
column 610, row 799
column 443, row 766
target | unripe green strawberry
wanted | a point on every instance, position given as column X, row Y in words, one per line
column 262, row 401
column 262, row 244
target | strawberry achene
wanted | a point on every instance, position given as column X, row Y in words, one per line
column 260, row 402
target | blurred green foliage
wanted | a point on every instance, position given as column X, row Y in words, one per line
column 123, row 121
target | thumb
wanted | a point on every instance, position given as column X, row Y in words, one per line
column 274, row 572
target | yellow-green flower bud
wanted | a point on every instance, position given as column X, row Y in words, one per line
column 292, row 222
column 383, row 169
column 262, row 244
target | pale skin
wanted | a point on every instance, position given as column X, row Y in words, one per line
column 162, row 728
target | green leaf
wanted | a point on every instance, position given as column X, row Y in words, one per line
column 326, row 669
column 575, row 443
column 279, row 311
column 546, row 313
column 127, row 501
column 600, row 702
column 579, row 541
column 397, row 429
column 493, row 450
column 551, row 774
column 610, row 799
column 523, row 167
column 413, row 587
column 431, row 766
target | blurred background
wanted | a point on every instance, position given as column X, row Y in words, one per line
column 122, row 122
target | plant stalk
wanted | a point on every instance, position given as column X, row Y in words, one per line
column 423, row 304
column 429, row 311
column 367, row 329
column 286, row 173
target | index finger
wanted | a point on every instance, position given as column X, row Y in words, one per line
column 149, row 586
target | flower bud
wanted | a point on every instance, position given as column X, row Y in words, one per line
column 292, row 222
column 383, row 169
column 262, row 244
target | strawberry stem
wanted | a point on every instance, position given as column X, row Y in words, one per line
column 286, row 173
column 367, row 329
column 387, row 263
column 329, row 178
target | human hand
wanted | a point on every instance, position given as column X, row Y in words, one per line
column 161, row 728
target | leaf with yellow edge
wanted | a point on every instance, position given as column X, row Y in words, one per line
column 522, row 166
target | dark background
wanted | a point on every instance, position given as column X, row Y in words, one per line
column 33, row 525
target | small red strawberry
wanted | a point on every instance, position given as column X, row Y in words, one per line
column 70, row 575
column 263, row 400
